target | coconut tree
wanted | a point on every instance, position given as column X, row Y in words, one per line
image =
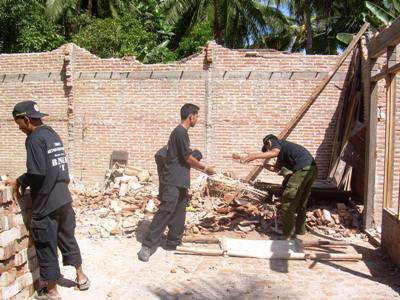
column 234, row 23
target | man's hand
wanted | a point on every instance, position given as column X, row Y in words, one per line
column 249, row 157
column 210, row 170
column 15, row 186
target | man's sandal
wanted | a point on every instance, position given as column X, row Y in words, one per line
column 83, row 286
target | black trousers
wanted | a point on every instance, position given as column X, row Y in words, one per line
column 171, row 214
column 56, row 229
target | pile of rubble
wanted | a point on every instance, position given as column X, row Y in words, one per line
column 339, row 222
column 217, row 203
column 117, row 207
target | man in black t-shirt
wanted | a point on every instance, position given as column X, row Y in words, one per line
column 176, row 180
column 53, row 219
column 160, row 157
column 300, row 169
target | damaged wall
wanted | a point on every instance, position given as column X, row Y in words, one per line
column 100, row 105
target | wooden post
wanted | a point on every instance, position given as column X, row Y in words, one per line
column 317, row 91
column 371, row 100
column 389, row 137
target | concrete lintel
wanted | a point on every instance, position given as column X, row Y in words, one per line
column 194, row 75
column 139, row 75
column 166, row 75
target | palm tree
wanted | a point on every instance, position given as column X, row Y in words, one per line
column 301, row 13
column 235, row 23
column 377, row 13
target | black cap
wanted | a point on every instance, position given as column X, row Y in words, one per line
column 27, row 109
column 197, row 155
column 265, row 140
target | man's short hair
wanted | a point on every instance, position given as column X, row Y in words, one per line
column 269, row 137
column 188, row 109
column 197, row 154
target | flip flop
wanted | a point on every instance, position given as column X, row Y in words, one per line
column 83, row 286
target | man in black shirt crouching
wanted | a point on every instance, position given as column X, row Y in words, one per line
column 53, row 219
column 176, row 181
column 300, row 170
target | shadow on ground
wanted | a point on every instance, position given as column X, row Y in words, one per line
column 231, row 287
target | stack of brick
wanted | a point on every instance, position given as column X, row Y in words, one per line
column 18, row 263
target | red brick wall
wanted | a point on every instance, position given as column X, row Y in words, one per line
column 120, row 104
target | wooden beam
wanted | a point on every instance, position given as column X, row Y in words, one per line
column 388, row 37
column 317, row 91
column 371, row 100
column 386, row 71
column 389, row 132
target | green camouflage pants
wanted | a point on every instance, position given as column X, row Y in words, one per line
column 295, row 198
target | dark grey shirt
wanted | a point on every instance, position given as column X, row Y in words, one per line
column 47, row 171
column 292, row 156
column 176, row 169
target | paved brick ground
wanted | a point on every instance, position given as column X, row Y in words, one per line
column 116, row 273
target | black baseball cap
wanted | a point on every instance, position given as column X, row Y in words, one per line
column 27, row 109
column 265, row 140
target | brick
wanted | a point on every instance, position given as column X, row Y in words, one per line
column 23, row 256
column 6, row 237
column 8, row 278
column 25, row 293
column 5, row 194
column 21, row 283
column 10, row 291
column 6, row 265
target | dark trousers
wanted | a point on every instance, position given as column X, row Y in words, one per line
column 56, row 229
column 295, row 198
column 171, row 214
column 160, row 161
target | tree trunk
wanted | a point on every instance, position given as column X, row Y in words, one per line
column 307, row 12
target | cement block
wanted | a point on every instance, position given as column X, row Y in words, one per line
column 103, row 75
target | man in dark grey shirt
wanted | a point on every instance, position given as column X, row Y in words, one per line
column 53, row 219
column 176, row 181
column 303, row 171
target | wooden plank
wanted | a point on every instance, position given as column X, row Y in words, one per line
column 306, row 106
column 388, row 37
column 389, row 141
column 338, row 141
column 387, row 71
column 371, row 99
column 200, row 251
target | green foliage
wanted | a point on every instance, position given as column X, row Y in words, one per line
column 126, row 35
column 25, row 27
column 197, row 38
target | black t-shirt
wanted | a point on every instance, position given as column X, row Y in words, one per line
column 292, row 156
column 176, row 169
column 47, row 171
